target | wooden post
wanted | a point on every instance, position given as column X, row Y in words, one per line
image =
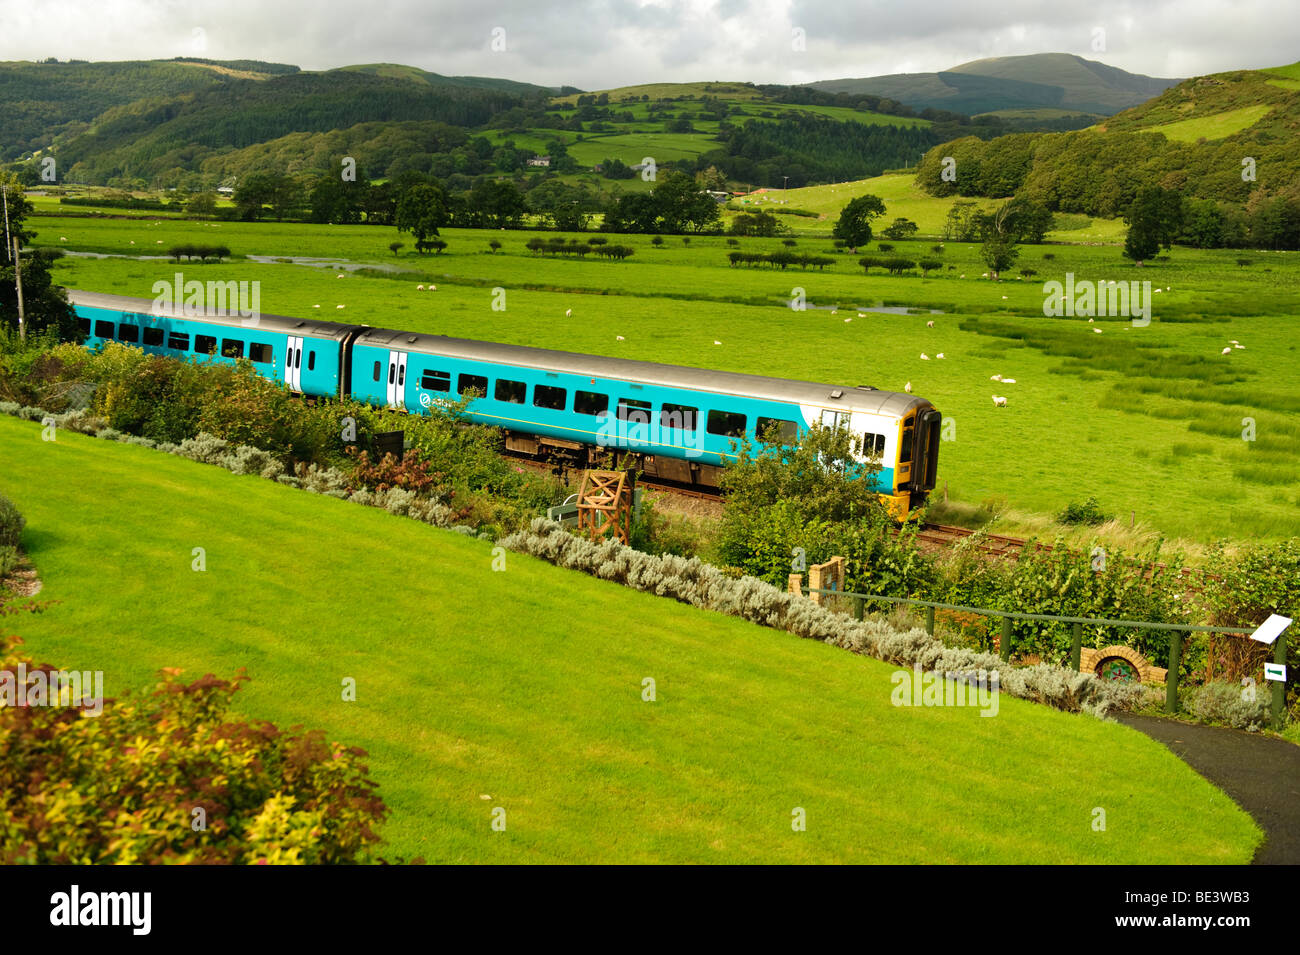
column 1076, row 646
column 605, row 503
column 1279, row 686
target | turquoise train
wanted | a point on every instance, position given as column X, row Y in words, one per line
column 681, row 423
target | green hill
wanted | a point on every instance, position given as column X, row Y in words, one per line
column 1193, row 137
column 1059, row 81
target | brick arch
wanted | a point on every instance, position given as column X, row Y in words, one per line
column 1090, row 660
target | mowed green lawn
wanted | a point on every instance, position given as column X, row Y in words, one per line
column 1147, row 420
column 525, row 686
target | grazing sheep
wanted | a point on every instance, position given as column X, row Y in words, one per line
column 908, row 387
column 862, row 315
column 1238, row 346
column 619, row 337
column 433, row 288
column 1226, row 351
column 133, row 241
column 834, row 311
column 999, row 401
column 995, row 378
column 1008, row 381
column 1234, row 342
column 1004, row 298
column 339, row 276
column 848, row 319
column 963, row 275
column 419, row 288
column 1097, row 330
column 924, row 357
column 984, row 276
column 315, row 306
column 929, row 324
column 63, row 238
column 340, row 306
column 568, row 313
column 716, row 342
column 940, row 355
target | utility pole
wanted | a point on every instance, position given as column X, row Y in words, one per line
column 11, row 243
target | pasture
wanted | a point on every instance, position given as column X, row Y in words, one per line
column 463, row 709
column 1150, row 420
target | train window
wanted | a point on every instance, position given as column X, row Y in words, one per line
column 311, row 361
column 681, row 417
column 630, row 409
column 471, row 383
column 180, row 341
column 590, row 402
column 873, row 444
column 786, row 431
column 205, row 344
column 376, row 371
column 259, row 352
column 103, row 329
column 436, row 380
column 401, row 370
column 548, row 396
column 726, row 423
column 128, row 333
column 154, row 337
column 232, row 348
column 515, row 392
column 905, row 447
column 84, row 325
column 392, row 372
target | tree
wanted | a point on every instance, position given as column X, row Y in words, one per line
column 395, row 247
column 422, row 211
column 1154, row 219
column 45, row 305
column 854, row 223
column 682, row 205
column 900, row 229
column 998, row 230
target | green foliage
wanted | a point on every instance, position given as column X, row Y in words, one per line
column 1229, row 704
column 11, row 523
column 854, row 223
column 122, row 787
column 1089, row 512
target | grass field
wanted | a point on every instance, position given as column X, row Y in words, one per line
column 1148, row 420
column 525, row 686
column 1217, row 126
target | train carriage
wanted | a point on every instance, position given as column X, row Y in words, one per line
column 306, row 355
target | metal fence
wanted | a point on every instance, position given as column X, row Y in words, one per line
column 1076, row 643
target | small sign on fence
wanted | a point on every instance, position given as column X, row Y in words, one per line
column 1271, row 629
column 1275, row 672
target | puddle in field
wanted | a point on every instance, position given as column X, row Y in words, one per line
column 261, row 259
column 879, row 309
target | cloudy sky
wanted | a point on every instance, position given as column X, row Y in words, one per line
column 597, row 44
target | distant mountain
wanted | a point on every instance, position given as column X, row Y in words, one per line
column 398, row 71
column 1058, row 81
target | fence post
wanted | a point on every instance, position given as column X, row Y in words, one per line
column 1006, row 639
column 858, row 607
column 929, row 620
column 1076, row 647
column 1171, row 677
column 1279, row 687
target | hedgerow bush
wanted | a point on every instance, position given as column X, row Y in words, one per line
column 691, row 581
column 123, row 787
column 11, row 523
column 1247, row 708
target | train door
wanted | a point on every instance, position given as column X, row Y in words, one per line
column 397, row 379
column 293, row 364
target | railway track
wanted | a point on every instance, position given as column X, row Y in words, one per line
column 935, row 535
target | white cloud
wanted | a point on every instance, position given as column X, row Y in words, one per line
column 603, row 43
